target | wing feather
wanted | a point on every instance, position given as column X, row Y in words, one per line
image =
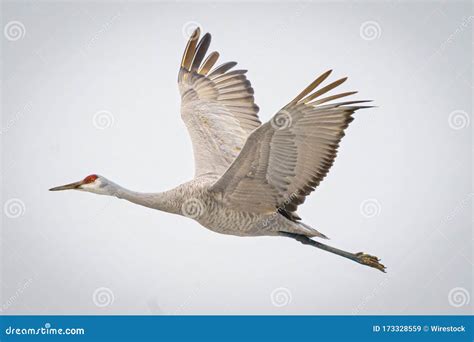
column 190, row 50
column 286, row 158
column 222, row 69
column 217, row 106
column 201, row 51
column 209, row 63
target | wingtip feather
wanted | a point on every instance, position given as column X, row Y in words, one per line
column 190, row 49
column 312, row 86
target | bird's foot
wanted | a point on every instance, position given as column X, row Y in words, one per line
column 369, row 260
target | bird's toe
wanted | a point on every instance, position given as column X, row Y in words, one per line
column 370, row 260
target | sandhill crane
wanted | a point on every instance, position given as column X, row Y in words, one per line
column 249, row 177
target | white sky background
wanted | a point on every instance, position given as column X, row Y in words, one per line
column 411, row 157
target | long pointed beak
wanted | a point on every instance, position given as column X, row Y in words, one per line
column 70, row 186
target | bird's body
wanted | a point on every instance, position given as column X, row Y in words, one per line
column 207, row 208
column 195, row 200
column 249, row 177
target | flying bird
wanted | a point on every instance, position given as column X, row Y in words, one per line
column 249, row 177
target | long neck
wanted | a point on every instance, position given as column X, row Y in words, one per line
column 164, row 201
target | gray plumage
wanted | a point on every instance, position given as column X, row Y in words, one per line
column 249, row 177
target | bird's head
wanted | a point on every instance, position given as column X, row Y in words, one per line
column 92, row 183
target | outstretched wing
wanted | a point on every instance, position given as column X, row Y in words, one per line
column 286, row 158
column 217, row 107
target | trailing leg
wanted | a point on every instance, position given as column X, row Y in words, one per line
column 361, row 258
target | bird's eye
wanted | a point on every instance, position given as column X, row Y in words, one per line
column 90, row 179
